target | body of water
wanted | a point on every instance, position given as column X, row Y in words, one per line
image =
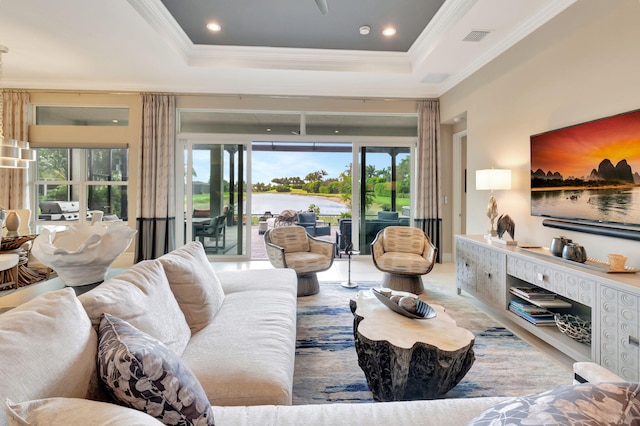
column 276, row 203
column 621, row 205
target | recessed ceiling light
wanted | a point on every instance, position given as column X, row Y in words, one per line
column 114, row 121
column 336, row 131
column 389, row 31
column 365, row 29
column 213, row 26
column 268, row 130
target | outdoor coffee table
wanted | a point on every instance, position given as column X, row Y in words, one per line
column 404, row 358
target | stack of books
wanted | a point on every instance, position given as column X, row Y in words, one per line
column 539, row 297
column 534, row 314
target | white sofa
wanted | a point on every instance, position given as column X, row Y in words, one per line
column 235, row 331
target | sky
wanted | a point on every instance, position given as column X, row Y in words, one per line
column 268, row 165
column 576, row 150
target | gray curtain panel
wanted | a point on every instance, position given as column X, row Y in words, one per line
column 428, row 204
column 14, row 186
column 155, row 215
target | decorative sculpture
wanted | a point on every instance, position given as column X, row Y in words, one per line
column 82, row 254
column 506, row 224
column 492, row 213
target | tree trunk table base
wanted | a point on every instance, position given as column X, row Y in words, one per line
column 404, row 358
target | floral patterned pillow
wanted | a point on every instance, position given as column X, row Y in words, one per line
column 143, row 373
column 579, row 405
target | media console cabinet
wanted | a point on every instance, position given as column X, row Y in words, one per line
column 611, row 301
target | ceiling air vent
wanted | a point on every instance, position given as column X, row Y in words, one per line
column 476, row 35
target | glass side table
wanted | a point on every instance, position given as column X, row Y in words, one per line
column 349, row 283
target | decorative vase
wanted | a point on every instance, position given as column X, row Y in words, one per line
column 82, row 254
column 13, row 224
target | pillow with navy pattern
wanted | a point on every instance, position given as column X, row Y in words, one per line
column 143, row 373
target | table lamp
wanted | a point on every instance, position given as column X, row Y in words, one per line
column 491, row 179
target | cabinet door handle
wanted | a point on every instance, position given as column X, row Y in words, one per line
column 487, row 274
column 540, row 276
column 634, row 341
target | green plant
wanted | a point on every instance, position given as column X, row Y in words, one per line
column 315, row 209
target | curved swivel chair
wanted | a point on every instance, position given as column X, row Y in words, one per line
column 291, row 247
column 403, row 254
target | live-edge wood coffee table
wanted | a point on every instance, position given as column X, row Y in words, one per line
column 404, row 358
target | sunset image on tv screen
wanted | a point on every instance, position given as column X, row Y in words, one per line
column 589, row 171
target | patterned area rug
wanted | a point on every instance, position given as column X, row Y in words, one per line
column 327, row 370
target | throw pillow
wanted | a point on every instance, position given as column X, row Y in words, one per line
column 48, row 348
column 74, row 411
column 141, row 296
column 143, row 373
column 194, row 284
column 583, row 404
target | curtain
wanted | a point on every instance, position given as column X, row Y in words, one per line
column 155, row 214
column 428, row 208
column 14, row 188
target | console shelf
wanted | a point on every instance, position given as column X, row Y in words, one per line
column 611, row 301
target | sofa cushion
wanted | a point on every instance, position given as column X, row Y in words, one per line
column 48, row 348
column 143, row 373
column 403, row 263
column 74, row 411
column 246, row 356
column 438, row 412
column 588, row 403
column 389, row 216
column 194, row 284
column 141, row 296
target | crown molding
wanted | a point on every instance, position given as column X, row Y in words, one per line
column 279, row 58
column 448, row 14
column 154, row 12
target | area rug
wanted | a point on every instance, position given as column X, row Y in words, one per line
column 326, row 365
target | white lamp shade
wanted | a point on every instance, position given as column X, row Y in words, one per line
column 490, row 179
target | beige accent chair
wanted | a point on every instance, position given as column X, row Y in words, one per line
column 291, row 247
column 403, row 254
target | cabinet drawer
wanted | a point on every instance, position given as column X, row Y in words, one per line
column 490, row 284
column 465, row 267
column 553, row 279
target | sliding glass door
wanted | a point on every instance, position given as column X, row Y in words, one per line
column 384, row 190
column 214, row 197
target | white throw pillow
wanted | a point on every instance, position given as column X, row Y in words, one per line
column 194, row 284
column 141, row 296
column 48, row 348
column 75, row 411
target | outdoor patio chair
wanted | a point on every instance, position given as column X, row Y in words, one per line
column 343, row 235
column 309, row 221
column 216, row 229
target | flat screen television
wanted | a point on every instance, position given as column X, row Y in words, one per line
column 589, row 173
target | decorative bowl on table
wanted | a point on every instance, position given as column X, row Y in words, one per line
column 574, row 327
column 409, row 306
column 82, row 254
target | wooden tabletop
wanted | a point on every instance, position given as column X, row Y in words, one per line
column 382, row 324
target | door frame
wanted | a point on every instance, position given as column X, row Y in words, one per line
column 457, row 181
column 190, row 139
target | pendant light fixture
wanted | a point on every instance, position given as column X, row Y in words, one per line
column 14, row 154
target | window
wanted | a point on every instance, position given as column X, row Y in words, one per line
column 73, row 182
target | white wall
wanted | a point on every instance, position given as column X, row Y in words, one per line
column 583, row 65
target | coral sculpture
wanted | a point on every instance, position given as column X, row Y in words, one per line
column 82, row 254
